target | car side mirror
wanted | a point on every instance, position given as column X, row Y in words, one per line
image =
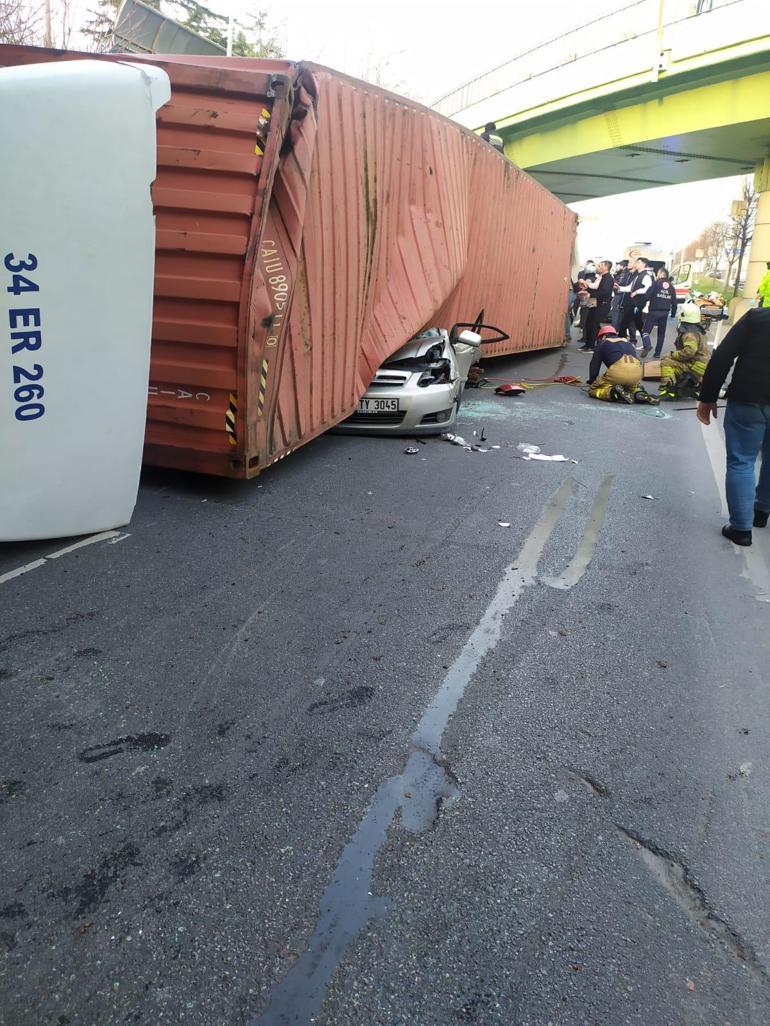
column 469, row 338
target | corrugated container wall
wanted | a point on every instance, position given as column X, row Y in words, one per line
column 307, row 226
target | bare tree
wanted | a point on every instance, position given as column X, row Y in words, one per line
column 379, row 71
column 714, row 244
column 21, row 23
column 63, row 23
column 38, row 23
column 741, row 225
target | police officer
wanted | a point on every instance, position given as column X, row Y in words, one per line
column 662, row 305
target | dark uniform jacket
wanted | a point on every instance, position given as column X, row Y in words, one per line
column 662, row 297
column 622, row 279
column 748, row 343
column 641, row 282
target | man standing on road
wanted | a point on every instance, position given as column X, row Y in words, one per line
column 637, row 292
column 662, row 305
column 585, row 275
column 622, row 277
column 747, row 420
column 599, row 299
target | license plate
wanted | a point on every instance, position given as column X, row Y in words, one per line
column 377, row 406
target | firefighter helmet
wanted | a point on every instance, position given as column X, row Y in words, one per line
column 690, row 314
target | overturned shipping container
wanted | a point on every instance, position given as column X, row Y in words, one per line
column 307, row 225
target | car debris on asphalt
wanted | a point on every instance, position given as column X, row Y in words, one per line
column 411, row 450
column 533, row 452
column 459, row 440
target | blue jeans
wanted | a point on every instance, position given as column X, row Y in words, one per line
column 747, row 433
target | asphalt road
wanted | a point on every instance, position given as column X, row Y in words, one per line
column 335, row 746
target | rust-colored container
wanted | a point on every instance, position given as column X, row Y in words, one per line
column 308, row 225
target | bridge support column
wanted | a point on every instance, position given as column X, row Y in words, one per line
column 759, row 254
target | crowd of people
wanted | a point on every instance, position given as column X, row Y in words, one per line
column 632, row 297
column 615, row 305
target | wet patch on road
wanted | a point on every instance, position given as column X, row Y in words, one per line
column 11, row 789
column 423, row 789
column 85, row 896
column 185, row 865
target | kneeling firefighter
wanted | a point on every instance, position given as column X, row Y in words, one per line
column 683, row 369
column 622, row 382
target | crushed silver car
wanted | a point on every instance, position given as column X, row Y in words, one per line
column 417, row 390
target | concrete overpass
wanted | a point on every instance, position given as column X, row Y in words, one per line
column 659, row 92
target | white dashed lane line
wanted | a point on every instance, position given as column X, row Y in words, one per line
column 113, row 537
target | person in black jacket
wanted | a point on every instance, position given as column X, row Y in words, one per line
column 580, row 309
column 662, row 305
column 636, row 297
column 490, row 136
column 622, row 277
column 599, row 300
column 747, row 420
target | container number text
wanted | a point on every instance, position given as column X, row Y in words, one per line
column 26, row 338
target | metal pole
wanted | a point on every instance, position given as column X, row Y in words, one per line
column 230, row 31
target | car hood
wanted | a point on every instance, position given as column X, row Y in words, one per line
column 418, row 347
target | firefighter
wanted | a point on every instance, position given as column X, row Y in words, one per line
column 622, row 382
column 662, row 305
column 687, row 363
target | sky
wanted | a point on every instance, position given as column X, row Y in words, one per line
column 425, row 48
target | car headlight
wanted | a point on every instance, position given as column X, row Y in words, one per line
column 437, row 373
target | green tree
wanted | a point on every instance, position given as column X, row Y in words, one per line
column 99, row 26
column 252, row 38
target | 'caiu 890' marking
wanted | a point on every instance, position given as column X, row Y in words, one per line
column 26, row 338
